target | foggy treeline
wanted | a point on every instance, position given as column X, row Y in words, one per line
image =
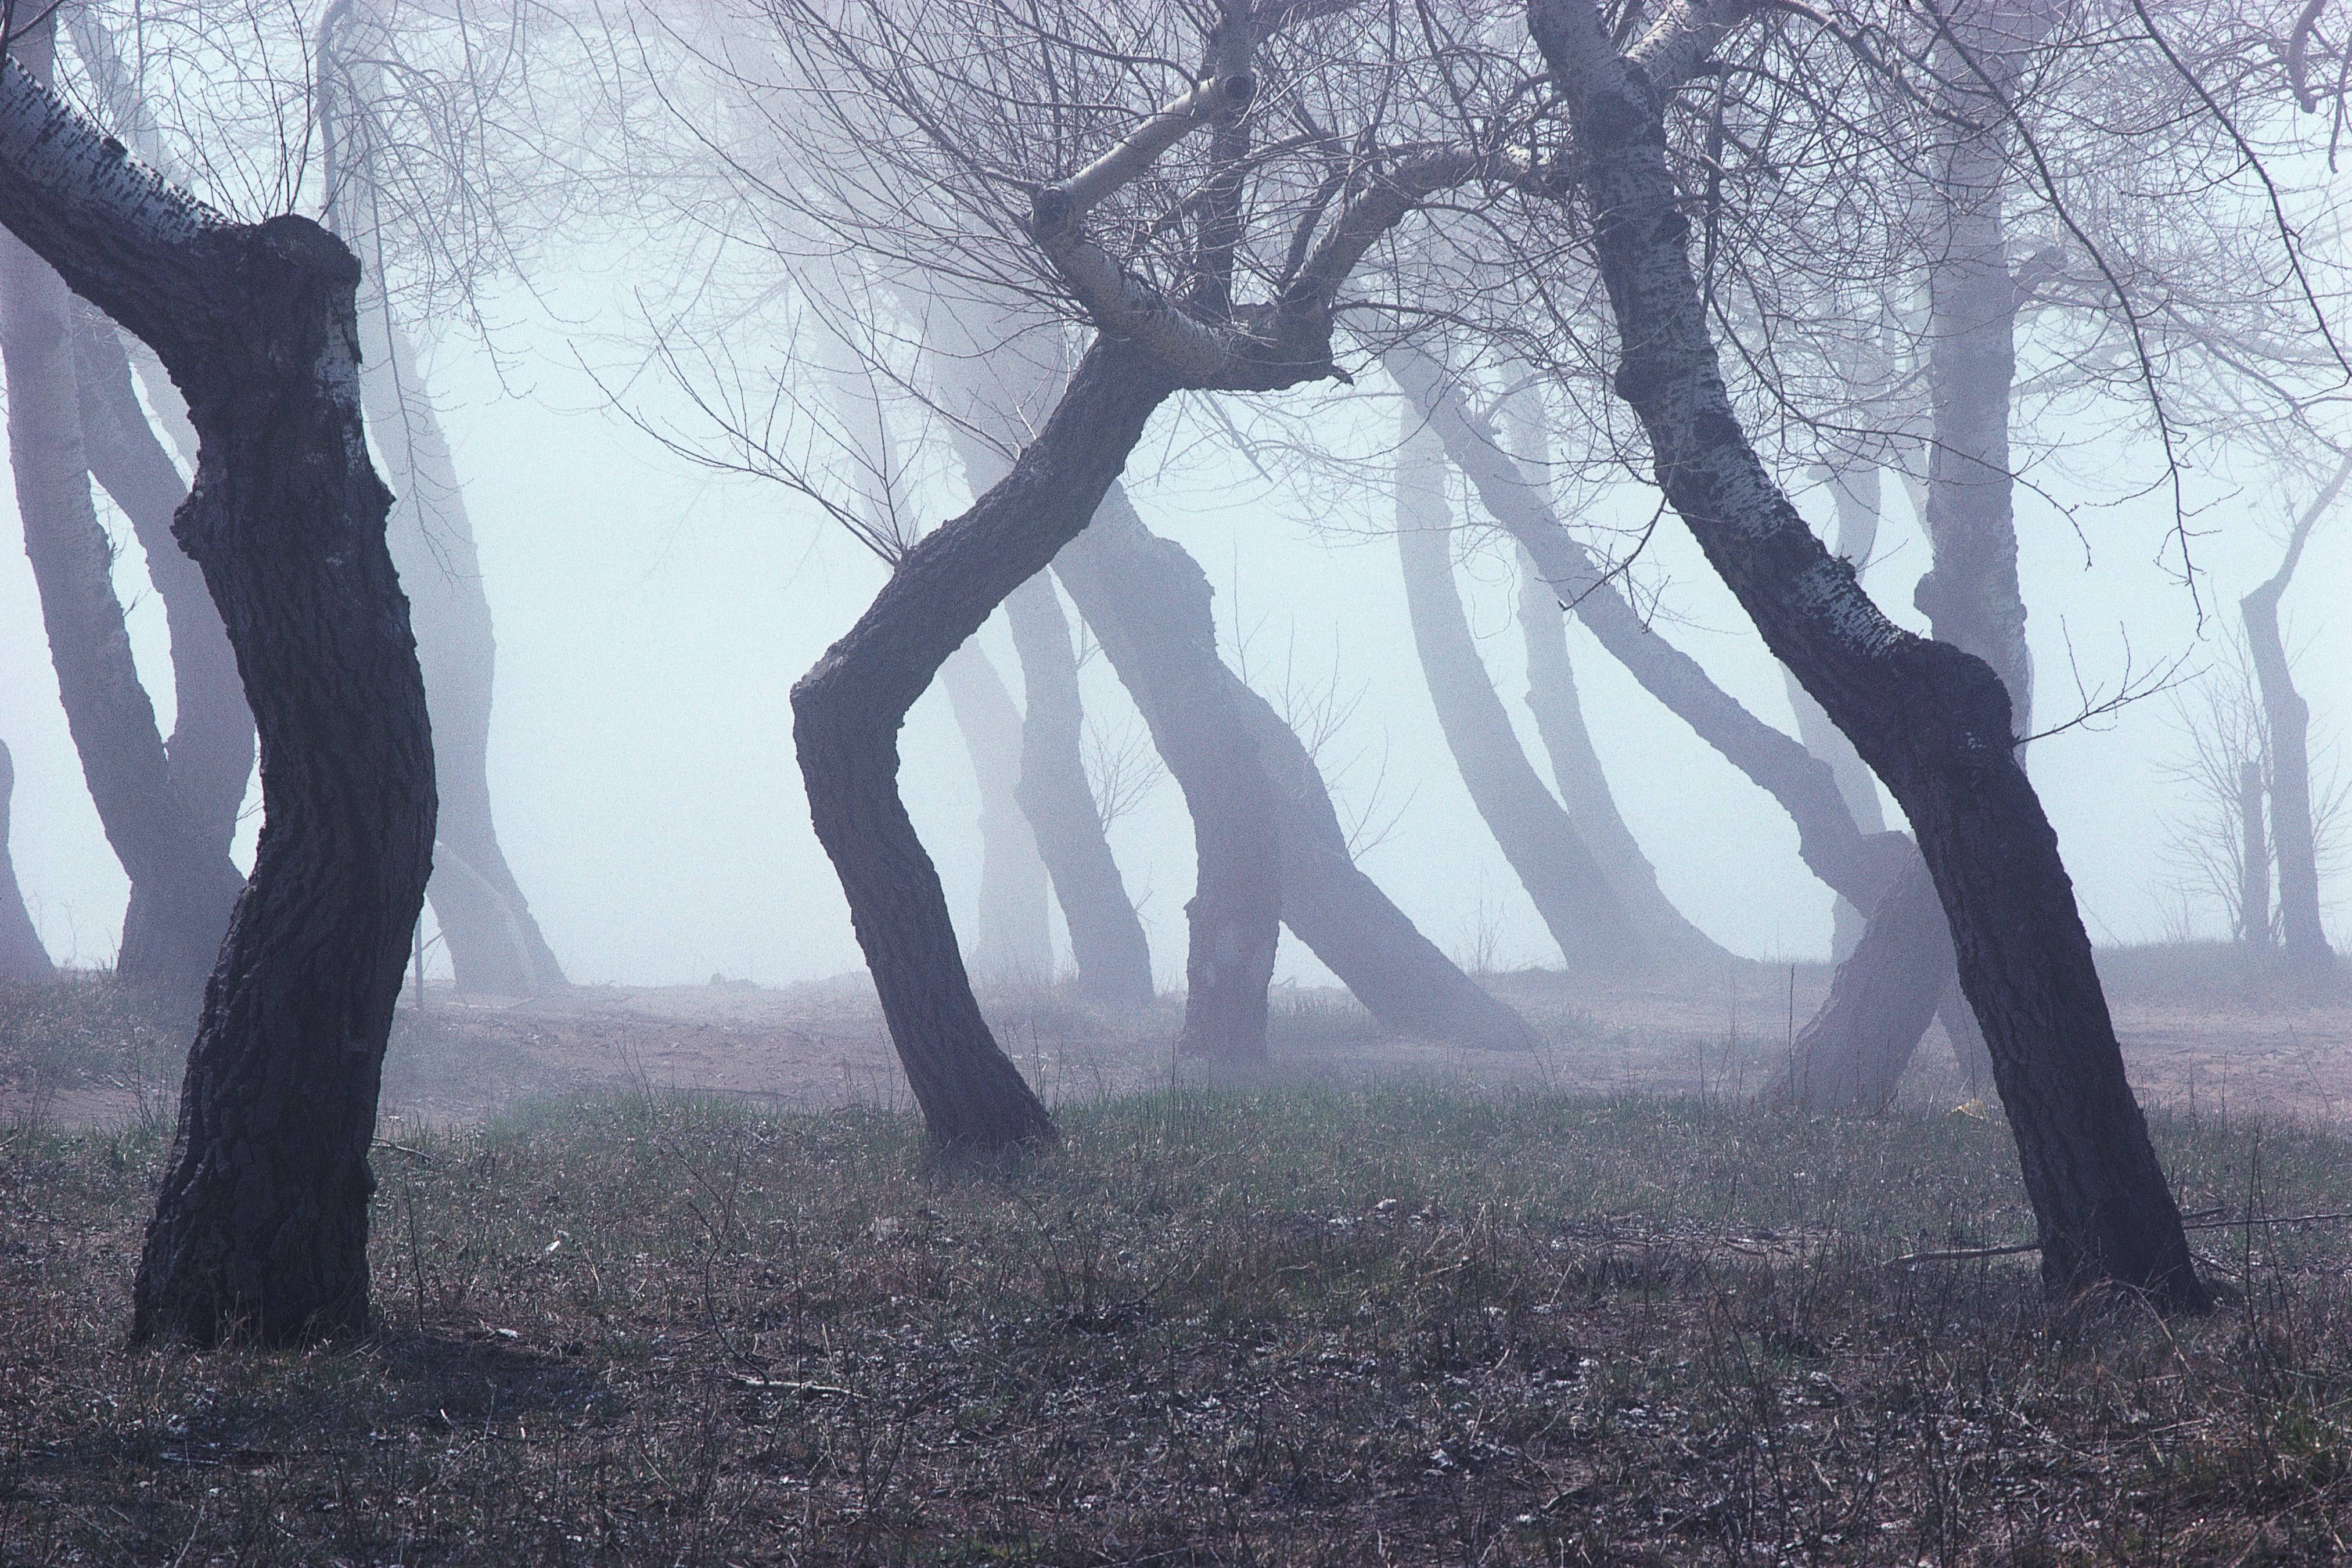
column 1720, row 376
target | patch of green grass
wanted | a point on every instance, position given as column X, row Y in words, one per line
column 1393, row 1324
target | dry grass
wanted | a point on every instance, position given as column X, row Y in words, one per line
column 1380, row 1325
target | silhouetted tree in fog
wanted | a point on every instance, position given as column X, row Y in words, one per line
column 22, row 956
column 260, row 1229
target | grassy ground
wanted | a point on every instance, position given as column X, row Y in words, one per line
column 1294, row 1327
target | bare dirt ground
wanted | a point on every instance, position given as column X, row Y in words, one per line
column 2191, row 1038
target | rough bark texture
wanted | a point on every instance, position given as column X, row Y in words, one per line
column 2287, row 720
column 182, row 882
column 1561, row 876
column 1933, row 721
column 848, row 710
column 1013, row 933
column 1148, row 603
column 260, row 1229
column 1107, row 939
column 22, row 956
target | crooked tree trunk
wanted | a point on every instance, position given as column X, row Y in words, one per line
column 1013, row 933
column 210, row 752
column 2253, row 859
column 1934, row 723
column 182, row 882
column 1148, row 602
column 260, row 1229
column 22, row 956
column 848, row 710
column 1107, row 939
column 1560, row 875
column 1851, row 1054
column 2288, row 722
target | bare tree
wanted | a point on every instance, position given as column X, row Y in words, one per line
column 260, row 1229
column 1934, row 723
column 22, row 956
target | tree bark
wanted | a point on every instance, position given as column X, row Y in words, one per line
column 1013, row 933
column 260, row 1229
column 1107, row 939
column 183, row 881
column 2288, row 722
column 1933, row 721
column 1560, row 875
column 22, row 956
column 1851, row 1054
column 1148, row 603
column 848, row 710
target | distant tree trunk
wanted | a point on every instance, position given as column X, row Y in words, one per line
column 1148, row 603
column 1013, row 935
column 22, row 956
column 1107, row 939
column 2288, row 722
column 494, row 942
column 260, row 1229
column 1934, row 723
column 1856, row 492
column 1851, row 1054
column 1561, row 876
column 210, row 754
column 1560, row 722
column 2253, row 859
column 847, row 712
column 183, row 881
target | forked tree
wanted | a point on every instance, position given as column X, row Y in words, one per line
column 1934, row 723
column 260, row 1229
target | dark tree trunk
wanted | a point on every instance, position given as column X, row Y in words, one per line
column 1013, row 935
column 1933, row 721
column 1561, row 876
column 1148, row 603
column 1107, row 939
column 260, row 1229
column 182, row 882
column 847, row 712
column 1851, row 1054
column 22, row 956
column 494, row 945
column 2288, row 722
column 2253, row 859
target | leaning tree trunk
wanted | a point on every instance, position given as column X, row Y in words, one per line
column 22, row 956
column 183, row 881
column 2288, row 723
column 210, row 754
column 1933, row 721
column 1012, row 932
column 2254, row 860
column 260, row 1229
column 1107, row 939
column 1560, row 875
column 1851, row 1054
column 848, row 710
column 1559, row 713
column 1148, row 603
